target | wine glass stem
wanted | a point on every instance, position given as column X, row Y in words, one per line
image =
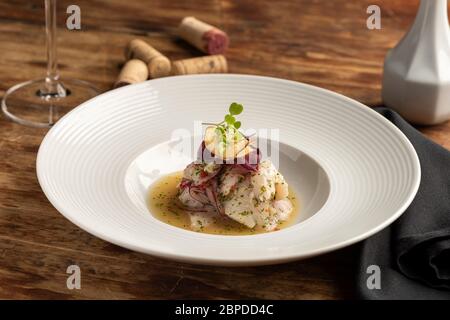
column 52, row 77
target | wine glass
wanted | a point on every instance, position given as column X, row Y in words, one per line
column 41, row 102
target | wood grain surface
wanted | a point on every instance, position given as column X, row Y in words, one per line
column 321, row 42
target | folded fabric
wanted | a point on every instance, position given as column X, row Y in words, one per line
column 413, row 254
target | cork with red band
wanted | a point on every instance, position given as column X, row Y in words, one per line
column 203, row 36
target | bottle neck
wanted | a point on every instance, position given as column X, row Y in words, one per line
column 432, row 14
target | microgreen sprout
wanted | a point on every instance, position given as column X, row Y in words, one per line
column 229, row 121
column 234, row 110
column 228, row 129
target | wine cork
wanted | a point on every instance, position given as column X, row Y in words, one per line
column 133, row 71
column 206, row 64
column 158, row 64
column 203, row 36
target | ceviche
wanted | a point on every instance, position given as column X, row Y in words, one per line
column 229, row 185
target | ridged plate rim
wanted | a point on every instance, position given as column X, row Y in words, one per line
column 72, row 216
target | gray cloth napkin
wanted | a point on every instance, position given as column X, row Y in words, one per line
column 413, row 253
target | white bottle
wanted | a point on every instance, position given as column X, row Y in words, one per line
column 416, row 79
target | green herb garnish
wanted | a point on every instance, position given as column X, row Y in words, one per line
column 230, row 119
column 227, row 131
column 234, row 110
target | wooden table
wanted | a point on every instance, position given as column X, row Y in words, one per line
column 321, row 42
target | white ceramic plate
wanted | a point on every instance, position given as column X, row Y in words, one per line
column 353, row 171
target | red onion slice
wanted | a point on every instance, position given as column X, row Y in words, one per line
column 198, row 194
column 211, row 192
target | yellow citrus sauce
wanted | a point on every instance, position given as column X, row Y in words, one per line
column 164, row 205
